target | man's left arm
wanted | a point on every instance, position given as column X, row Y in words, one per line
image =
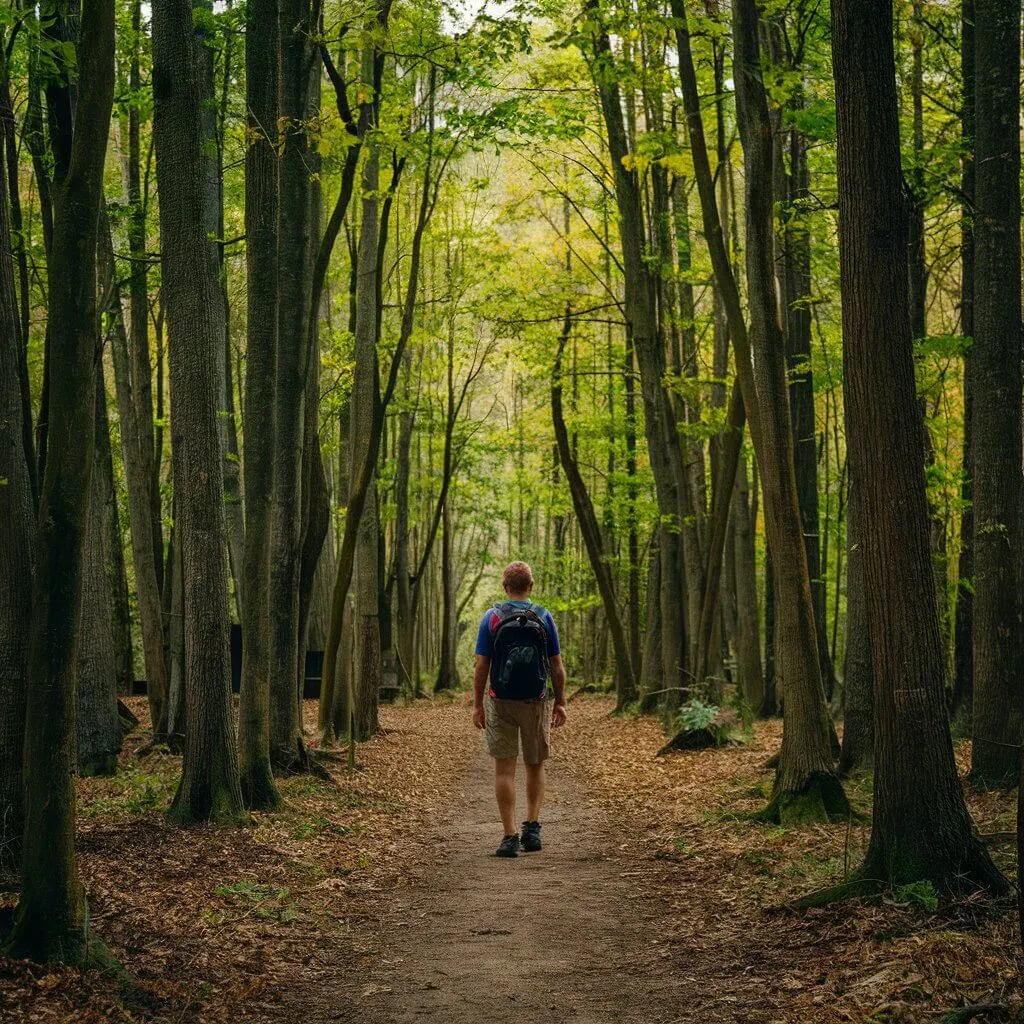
column 558, row 713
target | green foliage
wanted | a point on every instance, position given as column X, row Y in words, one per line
column 263, row 901
column 919, row 894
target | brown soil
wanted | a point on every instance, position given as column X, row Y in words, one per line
column 377, row 898
column 561, row 934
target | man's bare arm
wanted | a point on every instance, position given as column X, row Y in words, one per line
column 480, row 673
column 558, row 715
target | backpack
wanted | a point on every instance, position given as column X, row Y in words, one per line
column 519, row 664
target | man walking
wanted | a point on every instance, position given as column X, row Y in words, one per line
column 517, row 655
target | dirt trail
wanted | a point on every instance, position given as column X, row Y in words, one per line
column 560, row 935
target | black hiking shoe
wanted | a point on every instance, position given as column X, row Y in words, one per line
column 509, row 847
column 531, row 836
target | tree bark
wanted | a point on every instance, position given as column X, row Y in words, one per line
column 135, row 435
column 748, row 645
column 963, row 680
column 209, row 787
column 996, row 439
column 51, row 922
column 17, row 550
column 98, row 727
column 625, row 681
column 805, row 784
column 920, row 828
column 296, row 252
column 858, row 749
column 259, row 423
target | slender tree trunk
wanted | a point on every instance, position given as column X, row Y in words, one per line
column 259, row 424
column 805, row 784
column 963, row 680
column 748, row 647
column 51, row 922
column 209, row 788
column 650, row 667
column 17, row 551
column 98, row 727
column 920, row 827
column 626, row 687
column 138, row 481
column 996, row 480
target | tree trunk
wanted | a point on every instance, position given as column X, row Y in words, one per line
column 805, row 785
column 963, row 680
column 642, row 324
column 135, row 436
column 858, row 748
column 920, row 827
column 650, row 667
column 797, row 270
column 447, row 672
column 625, row 681
column 748, row 645
column 996, row 409
column 17, row 549
column 261, row 209
column 98, row 728
column 209, row 788
column 365, row 397
column 51, row 922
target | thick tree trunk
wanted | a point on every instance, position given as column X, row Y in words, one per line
column 920, row 828
column 805, row 785
column 261, row 209
column 51, row 922
column 858, row 748
column 209, row 788
column 996, row 480
column 17, row 550
column 296, row 253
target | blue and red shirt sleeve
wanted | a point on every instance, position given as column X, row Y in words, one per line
column 485, row 634
column 553, row 646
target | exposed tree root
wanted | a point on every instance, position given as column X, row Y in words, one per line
column 821, row 799
column 129, row 720
column 690, row 739
column 853, row 888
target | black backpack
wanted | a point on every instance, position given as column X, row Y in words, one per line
column 519, row 664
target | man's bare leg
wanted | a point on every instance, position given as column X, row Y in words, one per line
column 505, row 791
column 534, row 790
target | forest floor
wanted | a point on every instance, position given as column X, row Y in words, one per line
column 376, row 897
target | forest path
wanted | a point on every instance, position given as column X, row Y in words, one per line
column 561, row 935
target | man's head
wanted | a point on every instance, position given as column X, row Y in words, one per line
column 517, row 579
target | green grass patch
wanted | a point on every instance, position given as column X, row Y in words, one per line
column 132, row 791
column 266, row 902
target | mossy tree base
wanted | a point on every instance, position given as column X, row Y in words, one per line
column 36, row 935
column 200, row 804
column 821, row 799
column 259, row 791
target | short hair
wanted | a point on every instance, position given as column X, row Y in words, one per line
column 517, row 577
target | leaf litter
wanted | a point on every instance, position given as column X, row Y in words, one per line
column 260, row 923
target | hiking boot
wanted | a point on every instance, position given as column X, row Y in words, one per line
column 509, row 847
column 531, row 836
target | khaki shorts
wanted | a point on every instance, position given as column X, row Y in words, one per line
column 507, row 720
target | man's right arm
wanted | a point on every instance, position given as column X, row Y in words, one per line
column 480, row 674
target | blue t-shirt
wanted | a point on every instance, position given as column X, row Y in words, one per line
column 491, row 620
